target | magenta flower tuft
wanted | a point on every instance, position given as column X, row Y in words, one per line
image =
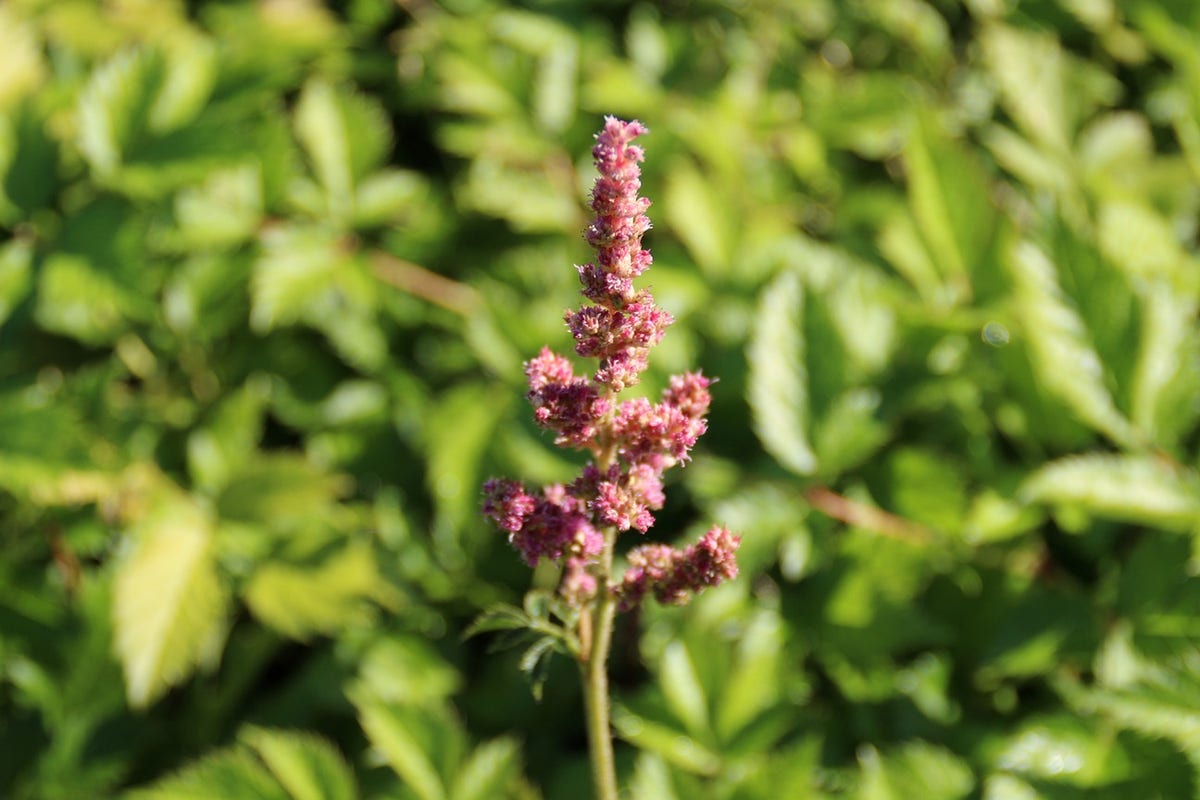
column 673, row 576
column 631, row 442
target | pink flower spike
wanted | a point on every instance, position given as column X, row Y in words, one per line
column 632, row 442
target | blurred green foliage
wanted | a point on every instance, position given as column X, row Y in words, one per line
column 270, row 269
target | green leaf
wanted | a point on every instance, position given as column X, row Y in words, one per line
column 217, row 450
column 1063, row 358
column 948, row 194
column 850, row 431
column 308, row 766
column 16, row 276
column 78, row 299
column 1029, row 68
column 1165, row 398
column 695, row 215
column 1165, row 706
column 228, row 774
column 223, row 211
column 672, row 744
column 114, row 108
column 652, row 778
column 914, row 770
column 397, row 735
column 28, row 162
column 682, row 689
column 753, row 685
column 344, row 135
column 777, row 383
column 409, row 671
column 487, row 771
column 1139, row 489
column 283, row 491
column 169, row 606
column 1061, row 748
column 459, row 428
column 297, row 267
column 302, row 601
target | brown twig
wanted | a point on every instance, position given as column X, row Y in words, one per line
column 425, row 284
column 852, row 512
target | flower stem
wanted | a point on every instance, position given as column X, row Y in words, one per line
column 593, row 669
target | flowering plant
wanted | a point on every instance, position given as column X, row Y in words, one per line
column 631, row 443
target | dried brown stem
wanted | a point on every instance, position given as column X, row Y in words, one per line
column 852, row 512
column 425, row 284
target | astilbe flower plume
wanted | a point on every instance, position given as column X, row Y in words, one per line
column 631, row 442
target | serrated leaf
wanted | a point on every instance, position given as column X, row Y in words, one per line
column 386, row 196
column 302, row 601
column 1164, row 707
column 1137, row 489
column 652, row 778
column 535, row 662
column 850, row 431
column 753, row 685
column 1063, row 358
column 487, row 771
column 78, row 299
column 680, row 685
column 694, row 212
column 297, row 267
column 408, row 670
column 344, row 135
column 672, row 744
column 229, row 437
column 224, row 210
column 308, row 766
column 391, row 733
column 189, row 75
column 16, row 275
column 777, row 383
column 914, row 770
column 280, row 490
column 948, row 194
column 114, row 108
column 498, row 618
column 229, row 774
column 1166, row 381
column 1061, row 748
column 28, row 162
column 1139, row 240
column 169, row 605
column 457, row 431
column 1029, row 69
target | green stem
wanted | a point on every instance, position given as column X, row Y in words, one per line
column 593, row 669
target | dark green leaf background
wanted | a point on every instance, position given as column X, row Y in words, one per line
column 268, row 272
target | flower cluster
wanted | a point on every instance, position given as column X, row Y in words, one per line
column 631, row 442
column 672, row 576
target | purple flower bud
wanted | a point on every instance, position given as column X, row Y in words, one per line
column 673, row 576
column 550, row 525
column 569, row 405
column 578, row 585
column 507, row 504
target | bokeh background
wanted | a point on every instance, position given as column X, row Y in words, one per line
column 269, row 271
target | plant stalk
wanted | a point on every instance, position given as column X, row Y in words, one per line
column 593, row 669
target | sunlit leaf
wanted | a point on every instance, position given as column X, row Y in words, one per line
column 1063, row 358
column 231, row 774
column 777, row 386
column 170, row 604
column 325, row 598
column 1131, row 488
column 307, row 766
